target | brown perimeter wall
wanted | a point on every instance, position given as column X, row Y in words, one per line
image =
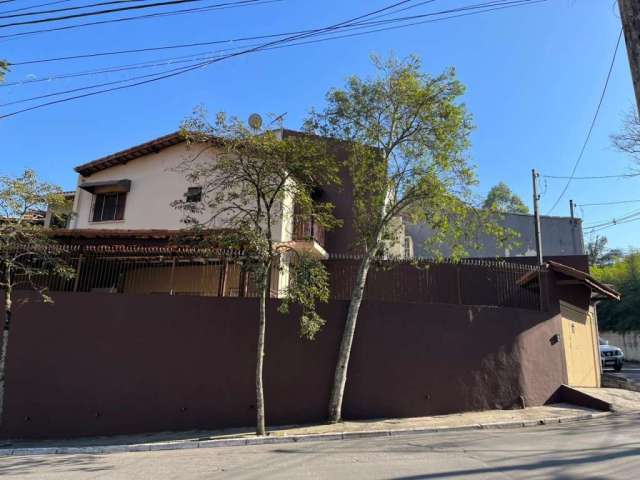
column 100, row 364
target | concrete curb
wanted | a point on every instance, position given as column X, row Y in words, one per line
column 317, row 437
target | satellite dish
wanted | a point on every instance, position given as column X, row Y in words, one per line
column 255, row 121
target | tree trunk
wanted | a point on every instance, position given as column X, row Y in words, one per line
column 340, row 376
column 262, row 327
column 5, row 345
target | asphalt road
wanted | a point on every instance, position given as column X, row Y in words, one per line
column 630, row 370
column 606, row 448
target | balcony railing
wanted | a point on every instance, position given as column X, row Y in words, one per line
column 306, row 228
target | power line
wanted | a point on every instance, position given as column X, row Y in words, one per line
column 631, row 214
column 613, row 224
column 624, row 175
column 593, row 123
column 351, row 27
column 207, row 61
column 65, row 9
column 141, row 17
column 199, row 65
column 241, row 39
column 187, row 11
column 606, row 203
column 110, row 11
column 35, row 6
column 201, row 56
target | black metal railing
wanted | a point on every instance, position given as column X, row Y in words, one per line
column 307, row 228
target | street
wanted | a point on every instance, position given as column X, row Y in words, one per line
column 630, row 371
column 607, row 448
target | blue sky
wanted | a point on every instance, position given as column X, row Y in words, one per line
column 534, row 75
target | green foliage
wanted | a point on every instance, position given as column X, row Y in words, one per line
column 252, row 180
column 308, row 284
column 502, row 199
column 624, row 275
column 27, row 253
column 407, row 133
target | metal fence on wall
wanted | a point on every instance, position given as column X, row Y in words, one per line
column 190, row 271
column 463, row 282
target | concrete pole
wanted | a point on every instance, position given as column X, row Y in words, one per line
column 630, row 16
column 536, row 215
column 573, row 228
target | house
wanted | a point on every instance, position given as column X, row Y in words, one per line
column 517, row 332
column 125, row 199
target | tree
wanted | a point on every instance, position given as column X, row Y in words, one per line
column 406, row 136
column 599, row 254
column 247, row 179
column 27, row 253
column 596, row 249
column 629, row 140
column 624, row 275
column 502, row 199
column 4, row 68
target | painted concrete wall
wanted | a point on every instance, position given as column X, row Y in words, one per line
column 560, row 237
column 155, row 183
column 97, row 364
column 579, row 334
column 629, row 342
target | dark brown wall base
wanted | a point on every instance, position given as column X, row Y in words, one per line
column 95, row 364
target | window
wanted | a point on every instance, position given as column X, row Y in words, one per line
column 109, row 206
column 194, row 194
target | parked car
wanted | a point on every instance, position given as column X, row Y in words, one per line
column 611, row 356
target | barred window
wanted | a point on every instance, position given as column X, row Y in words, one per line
column 109, row 206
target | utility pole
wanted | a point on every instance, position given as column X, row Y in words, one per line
column 571, row 205
column 573, row 227
column 630, row 16
column 536, row 215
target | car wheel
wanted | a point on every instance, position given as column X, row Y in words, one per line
column 617, row 367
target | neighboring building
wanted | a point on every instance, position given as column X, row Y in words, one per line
column 561, row 236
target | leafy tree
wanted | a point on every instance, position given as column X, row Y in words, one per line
column 624, row 275
column 599, row 254
column 27, row 253
column 502, row 199
column 247, row 178
column 406, row 134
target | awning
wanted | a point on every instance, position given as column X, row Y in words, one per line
column 601, row 290
column 107, row 186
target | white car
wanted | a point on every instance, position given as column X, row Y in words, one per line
column 611, row 356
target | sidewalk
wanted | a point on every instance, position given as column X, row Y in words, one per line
column 621, row 401
column 492, row 419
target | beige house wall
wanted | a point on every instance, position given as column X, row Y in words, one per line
column 580, row 340
column 155, row 183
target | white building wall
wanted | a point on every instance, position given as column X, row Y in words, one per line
column 155, row 183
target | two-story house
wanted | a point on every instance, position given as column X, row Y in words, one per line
column 125, row 199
